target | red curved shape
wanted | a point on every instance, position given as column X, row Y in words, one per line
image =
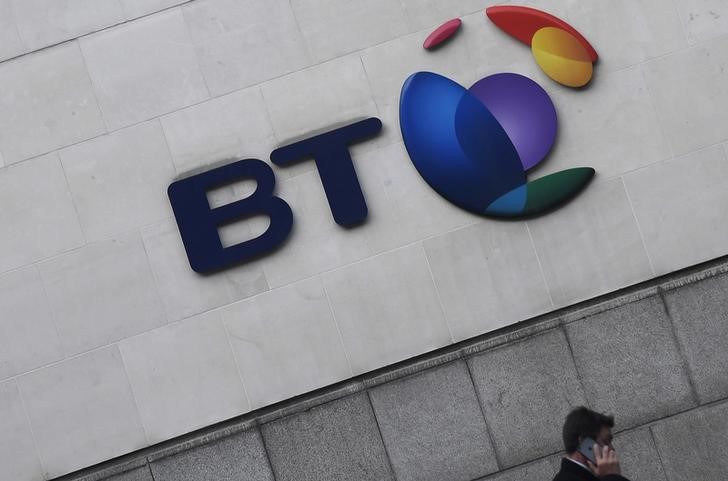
column 523, row 22
column 442, row 33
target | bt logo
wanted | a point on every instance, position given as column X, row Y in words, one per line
column 473, row 146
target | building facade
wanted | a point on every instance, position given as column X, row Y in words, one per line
column 425, row 343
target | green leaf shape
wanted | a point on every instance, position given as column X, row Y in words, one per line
column 554, row 189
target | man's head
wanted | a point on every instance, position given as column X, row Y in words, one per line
column 584, row 423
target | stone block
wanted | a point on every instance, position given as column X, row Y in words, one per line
column 40, row 225
column 541, row 470
column 28, row 336
column 629, row 363
column 638, row 456
column 319, row 97
column 335, row 441
column 82, row 411
column 332, row 28
column 240, row 457
column 619, row 107
column 143, row 69
column 286, row 342
column 184, row 292
column 119, row 181
column 432, row 426
column 700, row 315
column 487, row 276
column 48, row 103
column 138, row 8
column 189, row 365
column 18, row 457
column 138, row 474
column 244, row 43
column 46, row 22
column 10, row 42
column 703, row 19
column 681, row 216
column 387, row 308
column 688, row 92
column 580, row 244
column 102, row 293
column 526, row 389
column 227, row 128
column 626, row 33
column 435, row 13
column 693, row 445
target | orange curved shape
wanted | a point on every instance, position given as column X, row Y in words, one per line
column 522, row 23
column 562, row 57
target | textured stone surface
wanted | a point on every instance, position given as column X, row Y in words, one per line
column 581, row 244
column 230, row 127
column 243, row 43
column 700, row 316
column 137, row 8
column 45, row 22
column 520, row 386
column 184, row 292
column 332, row 28
column 18, row 457
column 47, row 103
column 433, row 427
column 688, row 92
column 118, row 181
column 318, row 97
column 39, row 225
column 625, row 32
column 681, row 216
column 28, row 336
column 82, row 411
column 638, row 456
column 487, row 278
column 619, row 107
column 541, row 470
column 286, row 342
column 387, row 308
column 143, row 69
column 102, row 293
column 139, row 474
column 10, row 42
column 240, row 457
column 188, row 365
column 693, row 445
column 336, row 441
column 629, row 363
column 703, row 19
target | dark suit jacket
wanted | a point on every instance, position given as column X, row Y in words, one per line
column 570, row 471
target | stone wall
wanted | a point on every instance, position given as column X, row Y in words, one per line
column 492, row 408
column 110, row 343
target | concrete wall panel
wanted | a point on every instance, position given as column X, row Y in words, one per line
column 432, row 426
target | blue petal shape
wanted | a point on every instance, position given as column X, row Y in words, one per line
column 510, row 204
column 456, row 144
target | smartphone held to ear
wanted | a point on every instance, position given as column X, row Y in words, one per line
column 586, row 447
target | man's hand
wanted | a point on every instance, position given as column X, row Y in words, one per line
column 607, row 462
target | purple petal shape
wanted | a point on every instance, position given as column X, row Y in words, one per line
column 524, row 110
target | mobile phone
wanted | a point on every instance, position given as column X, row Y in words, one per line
column 587, row 449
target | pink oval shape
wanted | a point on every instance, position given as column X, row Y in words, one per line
column 442, row 33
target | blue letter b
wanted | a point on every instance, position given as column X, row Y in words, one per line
column 198, row 223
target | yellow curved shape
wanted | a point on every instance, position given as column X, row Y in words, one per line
column 562, row 57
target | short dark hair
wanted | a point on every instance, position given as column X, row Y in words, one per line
column 583, row 423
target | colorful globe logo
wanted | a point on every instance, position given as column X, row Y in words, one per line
column 474, row 146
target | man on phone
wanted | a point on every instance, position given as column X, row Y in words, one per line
column 589, row 452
